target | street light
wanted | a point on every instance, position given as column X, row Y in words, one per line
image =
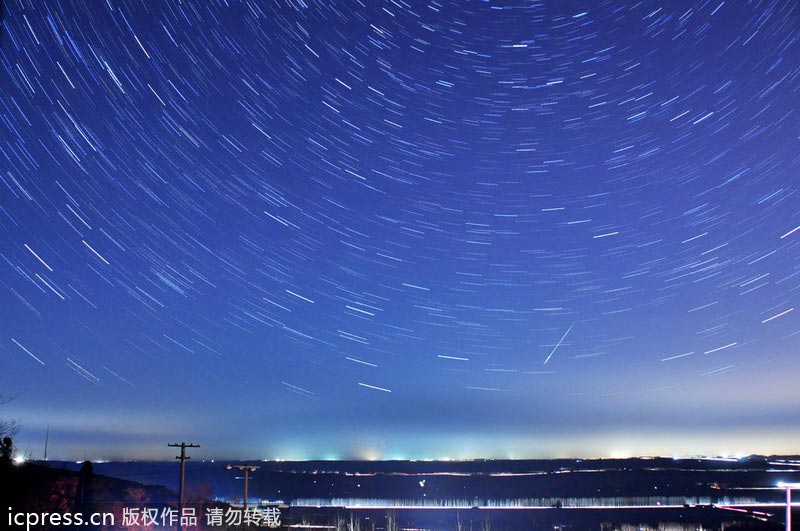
column 247, row 469
column 789, row 487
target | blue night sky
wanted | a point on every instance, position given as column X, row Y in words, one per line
column 298, row 229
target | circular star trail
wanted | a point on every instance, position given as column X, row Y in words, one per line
column 401, row 229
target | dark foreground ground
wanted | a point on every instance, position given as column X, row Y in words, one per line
column 626, row 495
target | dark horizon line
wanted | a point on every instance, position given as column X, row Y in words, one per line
column 454, row 460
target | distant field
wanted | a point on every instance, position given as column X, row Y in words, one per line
column 513, row 494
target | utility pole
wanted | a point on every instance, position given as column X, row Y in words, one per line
column 788, row 487
column 183, row 457
column 247, row 469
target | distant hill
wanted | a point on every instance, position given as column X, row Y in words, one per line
column 38, row 488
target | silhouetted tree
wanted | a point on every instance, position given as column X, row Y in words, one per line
column 6, row 451
column 85, row 495
column 8, row 427
column 84, row 478
column 136, row 495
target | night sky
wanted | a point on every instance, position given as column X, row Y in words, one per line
column 296, row 229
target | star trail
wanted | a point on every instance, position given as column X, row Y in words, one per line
column 298, row 229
